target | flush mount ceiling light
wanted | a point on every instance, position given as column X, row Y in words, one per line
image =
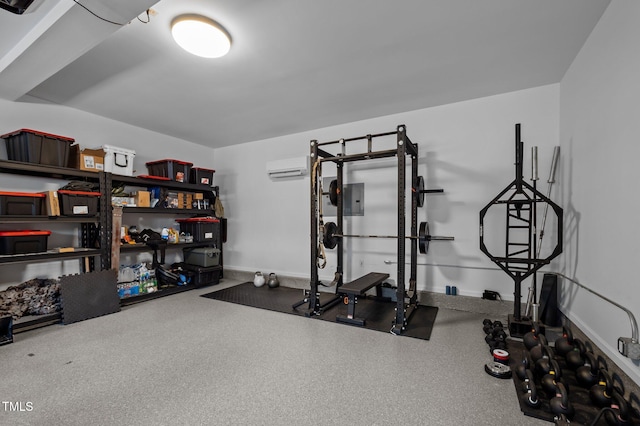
column 200, row 36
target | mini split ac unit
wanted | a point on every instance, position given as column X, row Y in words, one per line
column 289, row 167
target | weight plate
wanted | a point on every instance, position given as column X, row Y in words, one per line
column 501, row 354
column 423, row 237
column 329, row 240
column 333, row 192
column 498, row 370
column 418, row 191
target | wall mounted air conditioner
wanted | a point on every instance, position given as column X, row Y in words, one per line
column 288, row 167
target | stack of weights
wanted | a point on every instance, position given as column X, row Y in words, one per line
column 549, row 374
column 495, row 337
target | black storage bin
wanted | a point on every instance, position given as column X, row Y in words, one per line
column 31, row 146
column 78, row 203
column 202, row 176
column 21, row 203
column 203, row 229
column 173, row 169
column 22, row 242
column 203, row 275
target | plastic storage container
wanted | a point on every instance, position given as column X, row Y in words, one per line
column 203, row 275
column 21, row 203
column 202, row 176
column 202, row 228
column 32, row 146
column 204, row 256
column 118, row 161
column 22, row 242
column 78, row 203
column 173, row 169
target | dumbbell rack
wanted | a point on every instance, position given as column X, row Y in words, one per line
column 406, row 295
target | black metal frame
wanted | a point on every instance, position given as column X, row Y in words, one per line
column 520, row 200
column 88, row 231
column 406, row 297
column 97, row 230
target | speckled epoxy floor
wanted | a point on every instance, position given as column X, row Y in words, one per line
column 188, row 360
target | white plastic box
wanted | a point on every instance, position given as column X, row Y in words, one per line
column 118, row 160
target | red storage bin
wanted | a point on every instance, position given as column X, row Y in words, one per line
column 78, row 203
column 21, row 203
column 32, row 146
column 201, row 176
column 173, row 169
column 202, row 228
column 21, row 242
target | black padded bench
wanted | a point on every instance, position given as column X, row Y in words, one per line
column 357, row 288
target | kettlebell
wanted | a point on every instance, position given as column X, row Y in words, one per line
column 273, row 281
column 523, row 366
column 536, row 351
column 530, row 339
column 560, row 403
column 258, row 279
column 564, row 344
column 543, row 365
column 620, row 411
column 575, row 357
column 587, row 375
column 550, row 380
column 531, row 393
column 601, row 392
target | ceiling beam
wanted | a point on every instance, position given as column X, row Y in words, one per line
column 64, row 34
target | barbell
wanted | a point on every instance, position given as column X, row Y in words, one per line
column 417, row 189
column 330, row 236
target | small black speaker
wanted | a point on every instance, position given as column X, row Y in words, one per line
column 15, row 6
column 6, row 330
column 549, row 313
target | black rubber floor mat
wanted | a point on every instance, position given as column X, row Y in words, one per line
column 379, row 314
column 585, row 411
column 88, row 295
column 280, row 299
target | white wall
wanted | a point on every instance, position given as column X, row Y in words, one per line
column 466, row 148
column 599, row 136
column 89, row 131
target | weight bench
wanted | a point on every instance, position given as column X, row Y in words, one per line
column 357, row 288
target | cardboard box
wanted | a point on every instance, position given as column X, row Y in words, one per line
column 52, row 203
column 185, row 200
column 90, row 160
column 143, row 199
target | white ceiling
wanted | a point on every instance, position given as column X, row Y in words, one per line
column 294, row 65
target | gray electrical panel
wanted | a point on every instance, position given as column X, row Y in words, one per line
column 353, row 199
